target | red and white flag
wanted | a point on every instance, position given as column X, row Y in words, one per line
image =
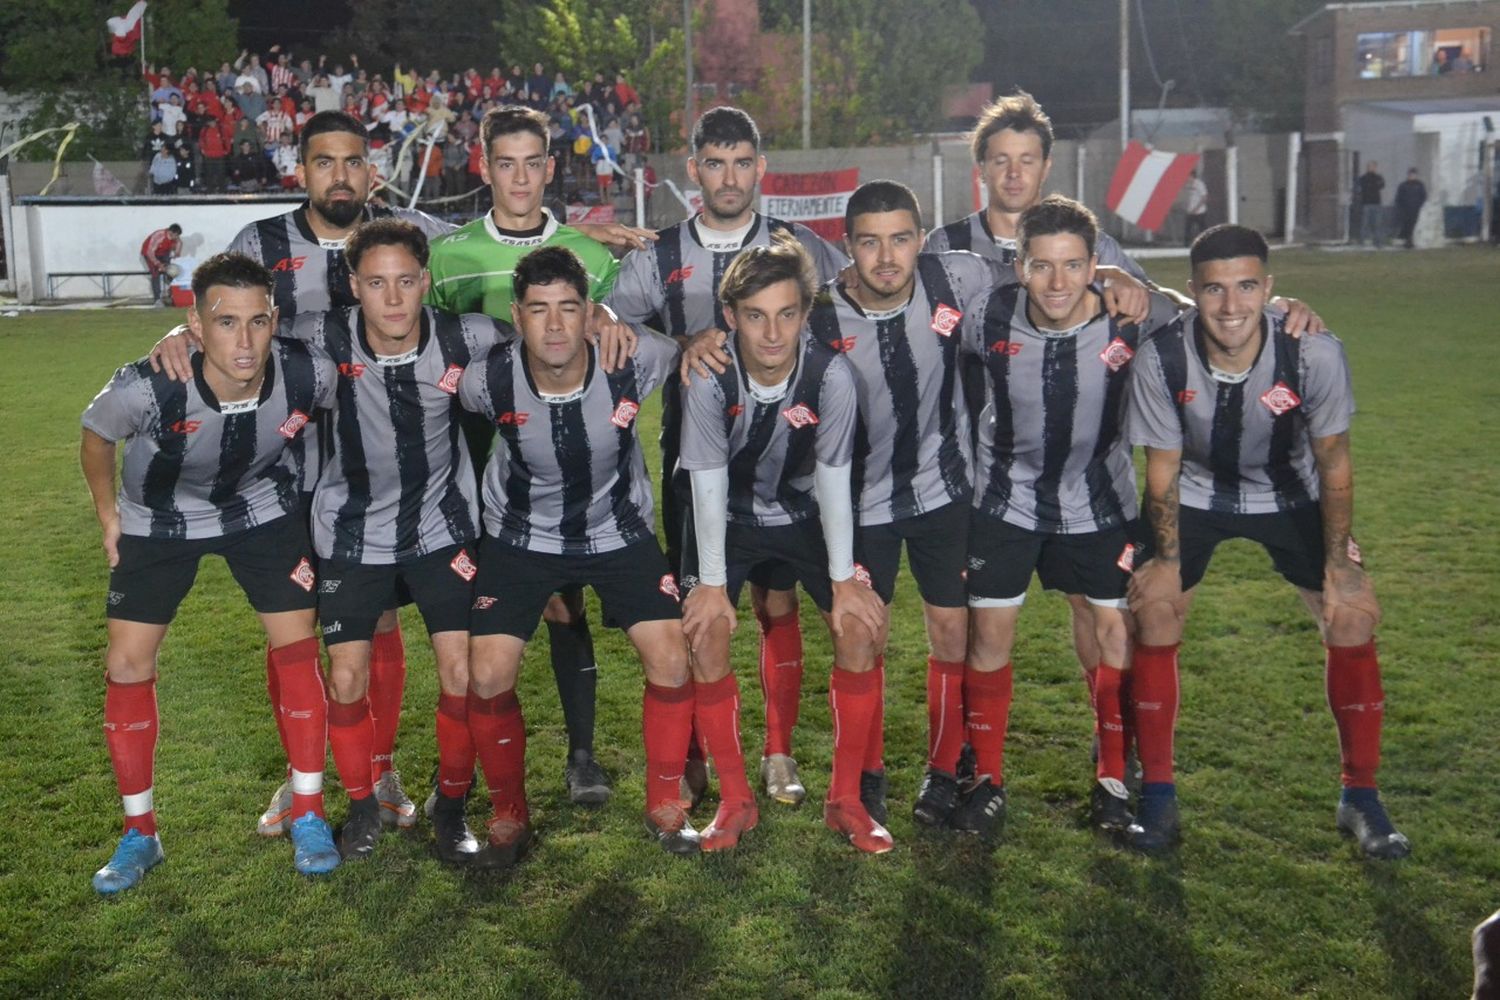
column 126, row 31
column 815, row 200
column 1146, row 183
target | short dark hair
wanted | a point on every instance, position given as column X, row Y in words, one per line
column 545, row 265
column 1018, row 112
column 386, row 232
column 755, row 269
column 325, row 122
column 725, row 126
column 880, row 196
column 175, row 228
column 1226, row 242
column 511, row 119
column 231, row 270
column 1053, row 215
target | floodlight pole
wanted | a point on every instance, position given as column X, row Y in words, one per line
column 1124, row 75
column 687, row 52
column 807, row 74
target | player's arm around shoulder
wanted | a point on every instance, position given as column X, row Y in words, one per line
column 474, row 393
column 655, row 359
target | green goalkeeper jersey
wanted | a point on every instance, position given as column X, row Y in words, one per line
column 472, row 266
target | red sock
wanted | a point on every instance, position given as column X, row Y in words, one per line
column 273, row 691
column 1153, row 701
column 1109, row 722
column 945, row 714
column 1358, row 704
column 716, row 711
column 130, row 726
column 781, row 678
column 302, row 714
column 1127, row 708
column 350, row 734
column 987, row 717
column 855, row 700
column 875, row 743
column 499, row 734
column 666, row 724
column 387, row 685
column 456, row 754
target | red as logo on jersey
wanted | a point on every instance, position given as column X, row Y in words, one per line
column 843, row 346
column 511, row 418
column 1127, row 557
column 1116, row 355
column 736, row 409
column 303, row 576
column 185, row 426
column 1187, row 395
column 625, row 412
column 464, row 566
column 945, row 319
column 800, row 416
column 1010, row 347
column 668, row 585
column 680, row 275
column 289, row 264
column 292, row 424
column 1280, row 398
column 351, row 369
column 449, row 382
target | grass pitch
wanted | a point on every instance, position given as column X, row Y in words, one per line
column 1263, row 899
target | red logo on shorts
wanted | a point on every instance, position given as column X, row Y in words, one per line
column 511, row 418
column 1117, row 355
column 1280, row 398
column 1187, row 396
column 303, row 576
column 449, row 382
column 1354, row 554
column 1127, row 557
column 736, row 409
column 292, row 424
column 1008, row 347
column 351, row 369
column 668, row 585
column 484, row 603
column 625, row 412
column 862, row 575
column 464, row 566
column 185, row 426
column 843, row 346
column 945, row 319
column 800, row 416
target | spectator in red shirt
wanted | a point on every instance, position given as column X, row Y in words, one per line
column 627, row 94
column 213, row 146
column 156, row 253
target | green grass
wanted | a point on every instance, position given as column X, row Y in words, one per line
column 1263, row 899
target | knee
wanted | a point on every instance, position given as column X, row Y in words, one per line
column 563, row 611
column 348, row 678
column 129, row 666
column 1113, row 637
column 949, row 635
column 389, row 621
column 855, row 650
column 1348, row 628
column 1158, row 623
column 773, row 603
column 990, row 645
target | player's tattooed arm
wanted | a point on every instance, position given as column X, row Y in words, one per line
column 173, row 354
column 1160, row 577
column 97, row 456
column 704, row 353
column 617, row 235
column 1346, row 586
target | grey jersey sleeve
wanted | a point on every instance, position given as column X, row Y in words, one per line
column 840, row 409
column 482, row 332
column 973, row 277
column 1327, row 392
column 326, row 374
column 1110, row 253
column 937, row 240
column 429, row 225
column 829, row 259
column 655, row 360
column 1151, row 415
column 121, row 406
column 637, row 295
column 705, row 439
column 247, row 242
column 473, row 388
column 1163, row 313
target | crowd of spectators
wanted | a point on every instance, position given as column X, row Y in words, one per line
column 236, row 129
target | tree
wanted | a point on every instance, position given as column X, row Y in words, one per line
column 47, row 43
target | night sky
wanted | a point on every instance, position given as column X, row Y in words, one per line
column 294, row 23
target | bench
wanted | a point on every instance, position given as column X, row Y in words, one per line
column 104, row 280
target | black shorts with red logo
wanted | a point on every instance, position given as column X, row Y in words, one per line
column 1002, row 557
column 935, row 545
column 1292, row 538
column 352, row 596
column 273, row 563
column 634, row 585
column 776, row 557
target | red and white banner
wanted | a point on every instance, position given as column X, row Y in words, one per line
column 815, row 200
column 601, row 214
column 126, row 31
column 1146, row 183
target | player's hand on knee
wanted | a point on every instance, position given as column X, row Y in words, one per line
column 704, row 353
column 173, row 354
column 1300, row 318
column 1155, row 581
column 703, row 606
column 1349, row 604
column 858, row 601
column 1125, row 297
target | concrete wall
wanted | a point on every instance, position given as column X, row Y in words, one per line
column 75, row 178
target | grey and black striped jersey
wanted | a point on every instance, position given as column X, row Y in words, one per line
column 1246, row 442
column 567, row 475
column 972, row 232
column 196, row 467
column 401, row 482
column 771, row 447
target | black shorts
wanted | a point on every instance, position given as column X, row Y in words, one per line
column 1293, row 538
column 273, row 563
column 936, row 543
column 351, row 596
column 1002, row 557
column 776, row 557
column 634, row 585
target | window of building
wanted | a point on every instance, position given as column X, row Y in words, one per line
column 1386, row 54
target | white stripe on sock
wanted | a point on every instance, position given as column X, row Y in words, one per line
column 307, row 782
column 138, row 804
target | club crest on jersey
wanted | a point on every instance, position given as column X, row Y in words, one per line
column 735, row 410
column 844, row 345
column 1127, row 557
column 449, row 382
column 668, row 585
column 1280, row 398
column 1116, row 355
column 1007, row 347
column 680, row 275
column 484, row 602
column 303, row 576
column 292, row 424
column 464, row 566
column 185, row 426
column 351, row 369
column 800, row 416
column 289, row 264
column 512, row 418
column 624, row 413
column 945, row 319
